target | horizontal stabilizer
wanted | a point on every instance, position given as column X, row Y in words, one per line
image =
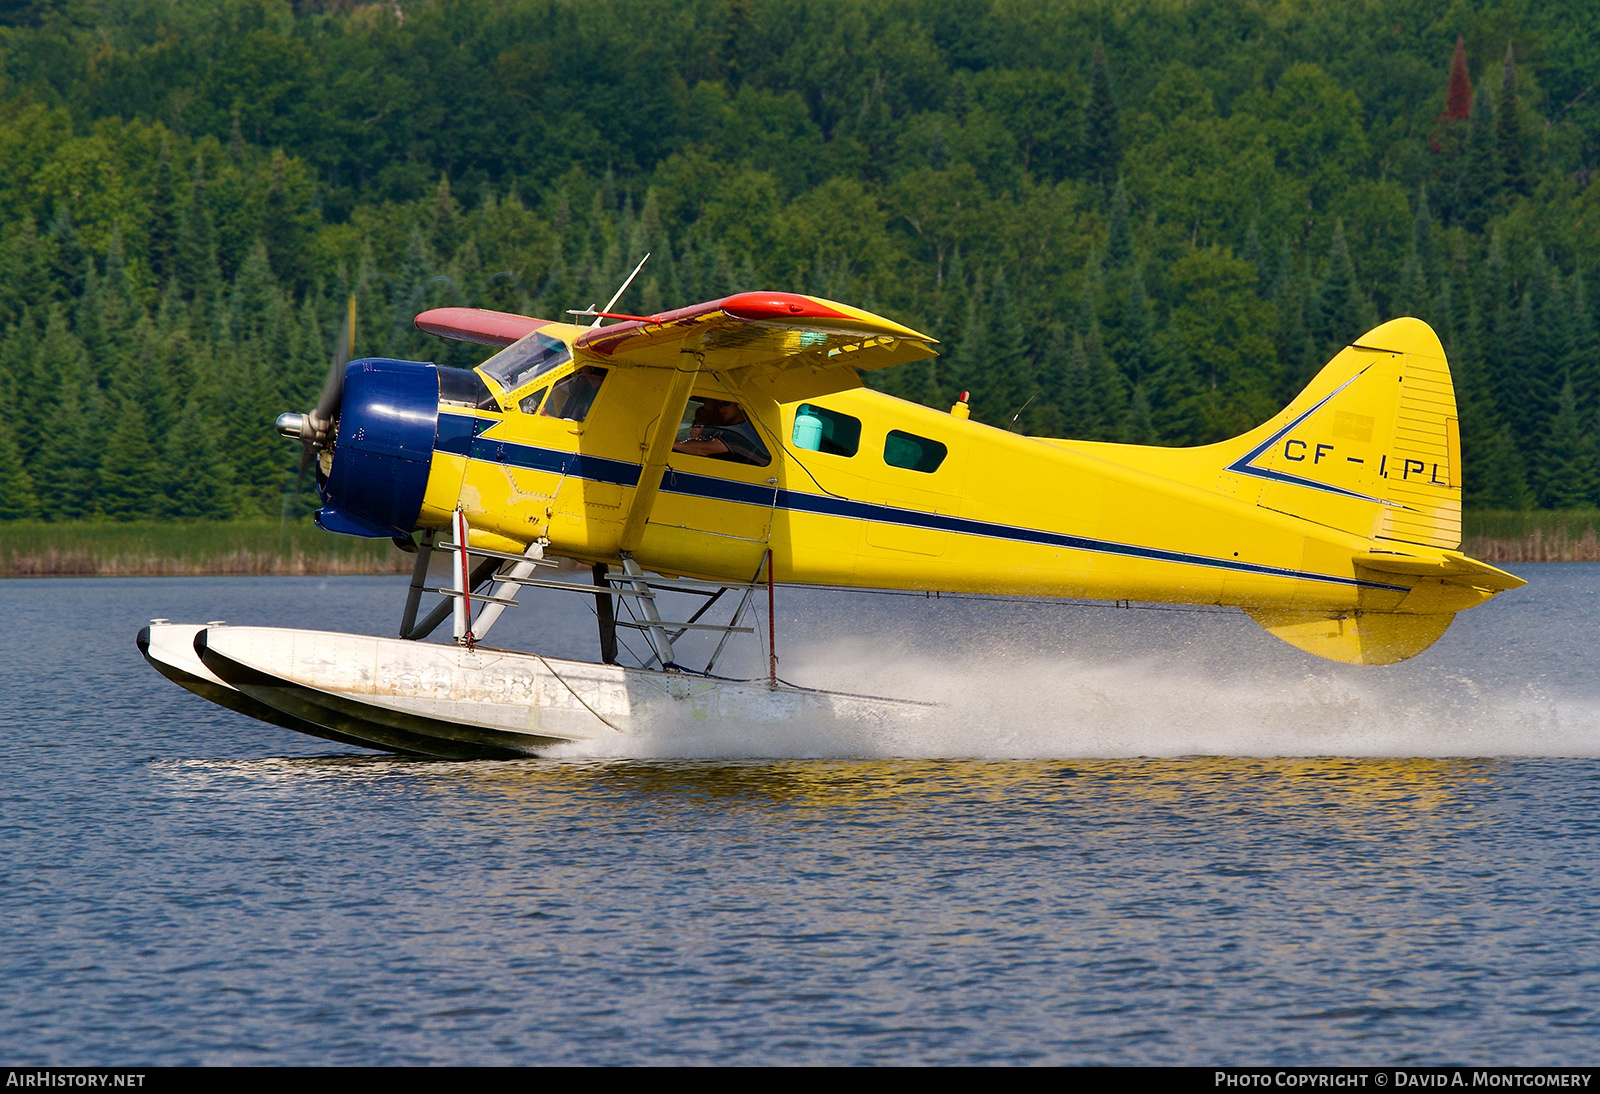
column 1453, row 569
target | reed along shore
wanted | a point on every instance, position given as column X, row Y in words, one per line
column 1560, row 535
column 188, row 548
column 193, row 548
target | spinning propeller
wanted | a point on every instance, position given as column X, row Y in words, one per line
column 317, row 429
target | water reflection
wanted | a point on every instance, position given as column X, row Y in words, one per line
column 1379, row 797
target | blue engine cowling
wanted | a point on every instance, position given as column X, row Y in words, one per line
column 384, row 450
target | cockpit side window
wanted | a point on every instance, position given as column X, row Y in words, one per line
column 720, row 429
column 533, row 355
column 572, row 396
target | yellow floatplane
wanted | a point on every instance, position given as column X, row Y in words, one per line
column 732, row 445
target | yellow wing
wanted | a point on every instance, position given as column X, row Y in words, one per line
column 787, row 346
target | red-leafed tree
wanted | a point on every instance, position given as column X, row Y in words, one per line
column 1450, row 137
column 1457, row 98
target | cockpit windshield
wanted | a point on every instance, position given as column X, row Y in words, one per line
column 521, row 361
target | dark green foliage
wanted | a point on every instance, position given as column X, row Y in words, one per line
column 1567, row 473
column 1102, row 136
column 1119, row 234
column 1337, row 315
column 1480, row 178
column 130, row 473
column 1515, row 171
column 17, row 499
column 188, row 201
column 161, row 232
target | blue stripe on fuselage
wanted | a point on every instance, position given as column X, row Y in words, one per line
column 464, row 440
column 462, row 436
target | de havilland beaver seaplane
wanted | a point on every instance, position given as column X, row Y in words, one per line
column 730, row 446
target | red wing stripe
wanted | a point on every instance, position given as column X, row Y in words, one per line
column 778, row 307
column 488, row 328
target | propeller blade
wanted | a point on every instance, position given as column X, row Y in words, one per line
column 333, row 386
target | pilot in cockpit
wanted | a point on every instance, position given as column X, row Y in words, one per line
column 722, row 430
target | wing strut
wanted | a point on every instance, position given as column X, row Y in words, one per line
column 666, row 432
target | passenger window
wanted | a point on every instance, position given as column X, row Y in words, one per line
column 820, row 430
column 572, row 396
column 720, row 429
column 529, row 404
column 912, row 452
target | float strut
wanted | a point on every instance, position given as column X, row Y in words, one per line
column 605, row 607
column 772, row 626
column 419, row 578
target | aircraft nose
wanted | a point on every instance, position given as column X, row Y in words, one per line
column 383, row 449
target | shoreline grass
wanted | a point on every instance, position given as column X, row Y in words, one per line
column 188, row 548
column 1561, row 535
column 263, row 547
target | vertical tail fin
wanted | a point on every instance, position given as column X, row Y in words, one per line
column 1371, row 446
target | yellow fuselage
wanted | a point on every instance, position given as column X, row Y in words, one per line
column 1002, row 514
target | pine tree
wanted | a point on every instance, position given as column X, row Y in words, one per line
column 1522, row 403
column 1339, row 310
column 1119, row 235
column 255, row 292
column 165, row 218
column 1135, row 347
column 199, row 479
column 1567, row 471
column 1288, row 308
column 970, row 361
column 58, row 357
column 285, row 230
column 1055, row 384
column 117, row 305
column 444, row 221
column 1254, row 255
column 1140, row 427
column 1011, row 390
column 17, row 498
column 1078, row 413
column 89, row 317
column 1106, row 395
column 1102, row 138
column 1583, row 364
column 1553, row 315
column 65, row 472
column 129, row 471
column 1422, row 239
column 68, row 259
column 196, row 257
column 1480, row 174
column 1494, row 477
column 1516, row 172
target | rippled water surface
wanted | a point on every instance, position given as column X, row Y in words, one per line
column 1125, row 837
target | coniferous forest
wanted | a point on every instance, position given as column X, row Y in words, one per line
column 1149, row 221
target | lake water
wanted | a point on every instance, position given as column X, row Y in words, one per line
column 1126, row 837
